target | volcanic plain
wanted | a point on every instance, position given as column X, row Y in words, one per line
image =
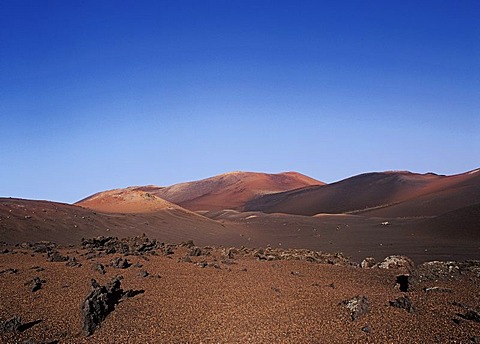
column 383, row 257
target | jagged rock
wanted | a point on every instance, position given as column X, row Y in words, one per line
column 43, row 246
column 100, row 302
column 73, row 263
column 11, row 325
column 402, row 263
column 120, row 263
column 202, row 264
column 36, row 284
column 368, row 262
column 443, row 270
column 99, row 267
column 55, row 256
column 357, row 306
column 229, row 253
column 195, row 252
column 136, row 245
column 403, row 302
column 186, row 259
column 168, row 251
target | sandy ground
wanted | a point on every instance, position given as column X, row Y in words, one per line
column 241, row 300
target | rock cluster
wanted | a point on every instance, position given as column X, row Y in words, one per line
column 109, row 245
column 270, row 254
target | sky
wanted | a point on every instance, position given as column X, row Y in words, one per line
column 96, row 95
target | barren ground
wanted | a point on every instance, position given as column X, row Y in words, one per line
column 240, row 300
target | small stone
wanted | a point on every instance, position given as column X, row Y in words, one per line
column 73, row 263
column 120, row 263
column 55, row 256
column 368, row 262
column 366, row 329
column 358, row 306
column 195, row 252
column 35, row 284
column 403, row 302
column 11, row 325
column 99, row 267
column 402, row 263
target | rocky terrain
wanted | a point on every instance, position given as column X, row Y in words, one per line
column 140, row 290
column 242, row 257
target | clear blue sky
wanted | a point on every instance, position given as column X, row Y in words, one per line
column 96, row 95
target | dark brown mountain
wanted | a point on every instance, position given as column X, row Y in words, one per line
column 387, row 194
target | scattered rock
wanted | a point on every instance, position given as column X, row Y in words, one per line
column 11, row 325
column 440, row 270
column 195, row 252
column 368, row 262
column 73, row 263
column 143, row 273
column 9, row 271
column 275, row 289
column 398, row 263
column 136, row 245
column 35, row 284
column 229, row 253
column 168, row 251
column 43, row 246
column 99, row 267
column 366, row 329
column 403, row 302
column 55, row 256
column 357, row 306
column 186, row 259
column 120, row 263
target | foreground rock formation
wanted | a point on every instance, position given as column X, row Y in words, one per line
column 189, row 293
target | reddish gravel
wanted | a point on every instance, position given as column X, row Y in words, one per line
column 244, row 301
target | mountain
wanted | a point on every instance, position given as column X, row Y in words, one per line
column 128, row 200
column 31, row 220
column 226, row 191
column 387, row 194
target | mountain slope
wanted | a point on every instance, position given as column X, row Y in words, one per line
column 30, row 220
column 231, row 190
column 389, row 194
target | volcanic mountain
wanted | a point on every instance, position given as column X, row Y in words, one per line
column 387, row 194
column 226, row 191
column 128, row 200
column 127, row 215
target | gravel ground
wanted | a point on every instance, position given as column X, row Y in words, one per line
column 239, row 300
